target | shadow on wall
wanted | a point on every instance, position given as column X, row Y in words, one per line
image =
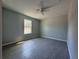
column 13, row 24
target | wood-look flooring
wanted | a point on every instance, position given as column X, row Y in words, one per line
column 38, row 48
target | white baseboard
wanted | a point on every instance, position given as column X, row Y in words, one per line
column 56, row 39
column 8, row 43
column 42, row 37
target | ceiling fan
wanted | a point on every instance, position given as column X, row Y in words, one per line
column 43, row 8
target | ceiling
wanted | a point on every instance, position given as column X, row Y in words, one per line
column 28, row 7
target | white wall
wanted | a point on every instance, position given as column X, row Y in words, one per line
column 55, row 28
column 72, row 30
column 0, row 31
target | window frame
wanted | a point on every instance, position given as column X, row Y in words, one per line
column 31, row 27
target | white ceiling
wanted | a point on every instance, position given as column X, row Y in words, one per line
column 28, row 7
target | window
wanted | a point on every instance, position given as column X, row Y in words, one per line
column 27, row 26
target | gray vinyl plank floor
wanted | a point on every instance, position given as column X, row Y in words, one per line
column 38, row 48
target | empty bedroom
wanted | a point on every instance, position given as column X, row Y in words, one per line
column 39, row 29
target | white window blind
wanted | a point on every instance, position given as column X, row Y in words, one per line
column 27, row 26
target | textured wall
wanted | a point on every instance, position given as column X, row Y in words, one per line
column 73, row 30
column 13, row 27
column 55, row 28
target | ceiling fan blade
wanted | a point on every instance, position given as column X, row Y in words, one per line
column 37, row 9
column 48, row 7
